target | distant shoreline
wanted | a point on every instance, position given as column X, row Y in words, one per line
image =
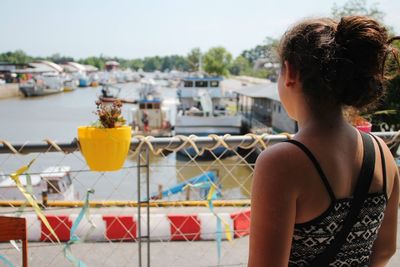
column 9, row 90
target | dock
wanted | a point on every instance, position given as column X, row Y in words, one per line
column 163, row 252
column 9, row 90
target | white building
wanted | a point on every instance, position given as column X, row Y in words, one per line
column 261, row 104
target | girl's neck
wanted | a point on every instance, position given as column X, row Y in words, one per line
column 322, row 121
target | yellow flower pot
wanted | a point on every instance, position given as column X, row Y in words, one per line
column 105, row 149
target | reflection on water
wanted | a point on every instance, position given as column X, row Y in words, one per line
column 234, row 174
column 57, row 117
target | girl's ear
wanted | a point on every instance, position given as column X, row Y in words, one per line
column 290, row 75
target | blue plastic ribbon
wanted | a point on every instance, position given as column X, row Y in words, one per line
column 211, row 196
column 6, row 261
column 73, row 238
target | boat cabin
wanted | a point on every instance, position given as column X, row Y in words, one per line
column 55, row 181
column 195, row 89
column 150, row 117
column 58, row 181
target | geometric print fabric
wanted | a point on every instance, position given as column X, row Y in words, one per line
column 311, row 238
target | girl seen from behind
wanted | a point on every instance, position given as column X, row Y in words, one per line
column 330, row 196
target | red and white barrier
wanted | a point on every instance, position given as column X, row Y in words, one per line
column 163, row 227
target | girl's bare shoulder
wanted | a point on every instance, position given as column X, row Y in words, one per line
column 281, row 164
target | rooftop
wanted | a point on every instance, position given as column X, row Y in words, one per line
column 216, row 78
column 269, row 90
column 7, row 181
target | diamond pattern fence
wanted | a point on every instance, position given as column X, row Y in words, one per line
column 180, row 201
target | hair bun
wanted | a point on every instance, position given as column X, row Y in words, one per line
column 360, row 49
column 338, row 62
column 360, row 29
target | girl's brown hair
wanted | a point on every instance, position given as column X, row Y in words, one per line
column 342, row 62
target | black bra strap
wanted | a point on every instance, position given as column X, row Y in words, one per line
column 316, row 165
column 383, row 162
column 364, row 181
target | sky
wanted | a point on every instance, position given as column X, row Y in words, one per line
column 141, row 28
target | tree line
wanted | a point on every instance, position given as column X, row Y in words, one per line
column 215, row 61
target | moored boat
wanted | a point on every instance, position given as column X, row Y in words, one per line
column 202, row 112
column 42, row 85
column 110, row 93
column 150, row 116
column 54, row 182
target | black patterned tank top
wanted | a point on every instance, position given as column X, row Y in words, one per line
column 313, row 237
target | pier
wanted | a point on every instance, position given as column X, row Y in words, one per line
column 9, row 90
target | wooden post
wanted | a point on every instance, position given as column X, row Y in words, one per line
column 44, row 198
column 12, row 228
column 188, row 193
column 160, row 189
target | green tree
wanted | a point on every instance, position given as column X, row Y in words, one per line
column 265, row 51
column 217, row 61
column 123, row 63
column 152, row 63
column 136, row 64
column 194, row 59
column 254, row 53
column 358, row 7
column 178, row 63
column 16, row 57
column 240, row 65
column 263, row 59
column 98, row 62
column 59, row 59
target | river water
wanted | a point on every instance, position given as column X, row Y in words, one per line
column 57, row 117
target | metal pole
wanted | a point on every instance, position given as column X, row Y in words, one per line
column 148, row 202
column 162, row 142
column 139, row 235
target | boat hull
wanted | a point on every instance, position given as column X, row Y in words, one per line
column 204, row 126
column 201, row 126
column 113, row 99
column 34, row 90
column 83, row 82
column 190, row 153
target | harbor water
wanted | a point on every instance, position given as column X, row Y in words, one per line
column 56, row 117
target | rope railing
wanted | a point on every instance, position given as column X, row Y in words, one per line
column 158, row 144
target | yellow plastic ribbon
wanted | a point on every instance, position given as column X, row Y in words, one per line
column 32, row 202
column 209, row 204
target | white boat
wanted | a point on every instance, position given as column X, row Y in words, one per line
column 151, row 116
column 69, row 83
column 107, row 77
column 202, row 111
column 94, row 79
column 45, row 84
column 55, row 181
column 130, row 76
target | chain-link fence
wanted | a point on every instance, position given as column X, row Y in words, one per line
column 180, row 201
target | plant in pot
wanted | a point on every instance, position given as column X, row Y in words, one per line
column 359, row 121
column 105, row 144
column 362, row 121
